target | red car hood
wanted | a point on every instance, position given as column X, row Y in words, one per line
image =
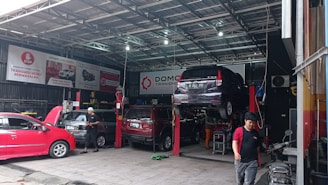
column 54, row 115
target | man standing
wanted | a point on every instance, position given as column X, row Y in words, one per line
column 245, row 146
column 91, row 136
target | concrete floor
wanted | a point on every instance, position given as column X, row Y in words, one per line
column 128, row 166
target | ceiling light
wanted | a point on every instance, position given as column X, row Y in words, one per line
column 166, row 42
column 220, row 34
column 127, row 48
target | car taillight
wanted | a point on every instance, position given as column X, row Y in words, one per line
column 219, row 78
column 179, row 79
column 147, row 124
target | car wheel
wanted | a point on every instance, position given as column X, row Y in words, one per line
column 101, row 141
column 166, row 142
column 226, row 111
column 58, row 149
column 195, row 138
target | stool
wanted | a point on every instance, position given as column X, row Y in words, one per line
column 219, row 141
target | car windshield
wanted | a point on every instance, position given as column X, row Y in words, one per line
column 78, row 116
column 137, row 113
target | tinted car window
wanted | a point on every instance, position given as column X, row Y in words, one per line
column 17, row 123
column 138, row 113
column 200, row 73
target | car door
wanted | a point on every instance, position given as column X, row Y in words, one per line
column 4, row 137
column 26, row 137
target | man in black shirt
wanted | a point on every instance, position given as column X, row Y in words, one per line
column 245, row 145
column 91, row 136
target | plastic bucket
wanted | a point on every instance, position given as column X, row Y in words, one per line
column 319, row 178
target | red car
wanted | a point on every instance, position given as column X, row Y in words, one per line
column 22, row 136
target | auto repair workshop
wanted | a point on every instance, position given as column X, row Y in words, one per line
column 172, row 77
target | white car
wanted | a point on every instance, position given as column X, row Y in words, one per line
column 66, row 74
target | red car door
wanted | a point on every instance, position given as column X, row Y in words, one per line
column 4, row 135
column 26, row 138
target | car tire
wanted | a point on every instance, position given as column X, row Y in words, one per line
column 101, row 140
column 226, row 111
column 166, row 142
column 195, row 138
column 58, row 149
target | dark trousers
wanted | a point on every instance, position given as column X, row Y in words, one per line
column 91, row 137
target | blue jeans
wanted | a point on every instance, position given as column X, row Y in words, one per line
column 246, row 172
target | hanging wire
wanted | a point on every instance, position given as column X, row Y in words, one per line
column 124, row 77
column 263, row 85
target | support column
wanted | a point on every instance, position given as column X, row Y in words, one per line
column 78, row 99
column 326, row 44
column 176, row 133
column 300, row 108
column 119, row 119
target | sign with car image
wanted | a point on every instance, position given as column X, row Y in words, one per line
column 26, row 65
column 87, row 76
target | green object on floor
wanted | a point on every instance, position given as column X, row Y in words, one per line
column 158, row 157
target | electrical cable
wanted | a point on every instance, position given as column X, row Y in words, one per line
column 263, row 84
column 124, row 79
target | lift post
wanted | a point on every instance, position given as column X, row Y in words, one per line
column 176, row 132
column 119, row 118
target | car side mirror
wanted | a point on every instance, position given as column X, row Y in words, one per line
column 44, row 128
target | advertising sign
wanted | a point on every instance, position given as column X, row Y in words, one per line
column 87, row 76
column 60, row 71
column 159, row 82
column 26, row 65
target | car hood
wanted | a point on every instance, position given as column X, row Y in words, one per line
column 54, row 115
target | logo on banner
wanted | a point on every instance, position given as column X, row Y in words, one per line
column 27, row 58
column 146, row 83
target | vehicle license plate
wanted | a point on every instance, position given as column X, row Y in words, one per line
column 69, row 127
column 195, row 85
column 134, row 125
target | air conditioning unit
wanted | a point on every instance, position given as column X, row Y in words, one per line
column 280, row 81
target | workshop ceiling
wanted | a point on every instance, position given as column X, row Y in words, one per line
column 100, row 30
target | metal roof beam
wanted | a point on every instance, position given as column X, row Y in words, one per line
column 227, row 5
column 29, row 11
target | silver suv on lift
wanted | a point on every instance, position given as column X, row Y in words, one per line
column 212, row 87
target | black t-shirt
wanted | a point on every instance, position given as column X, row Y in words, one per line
column 92, row 118
column 251, row 141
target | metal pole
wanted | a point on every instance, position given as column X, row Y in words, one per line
column 300, row 126
column 326, row 44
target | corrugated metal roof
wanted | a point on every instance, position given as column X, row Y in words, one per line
column 101, row 29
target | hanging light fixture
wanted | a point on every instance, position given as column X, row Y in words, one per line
column 127, row 48
column 166, row 41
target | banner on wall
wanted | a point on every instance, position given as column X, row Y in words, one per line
column 26, row 65
column 159, row 82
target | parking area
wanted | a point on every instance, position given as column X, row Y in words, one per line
column 122, row 166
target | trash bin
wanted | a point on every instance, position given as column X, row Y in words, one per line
column 319, row 178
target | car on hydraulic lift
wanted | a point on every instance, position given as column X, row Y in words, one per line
column 153, row 125
column 212, row 87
